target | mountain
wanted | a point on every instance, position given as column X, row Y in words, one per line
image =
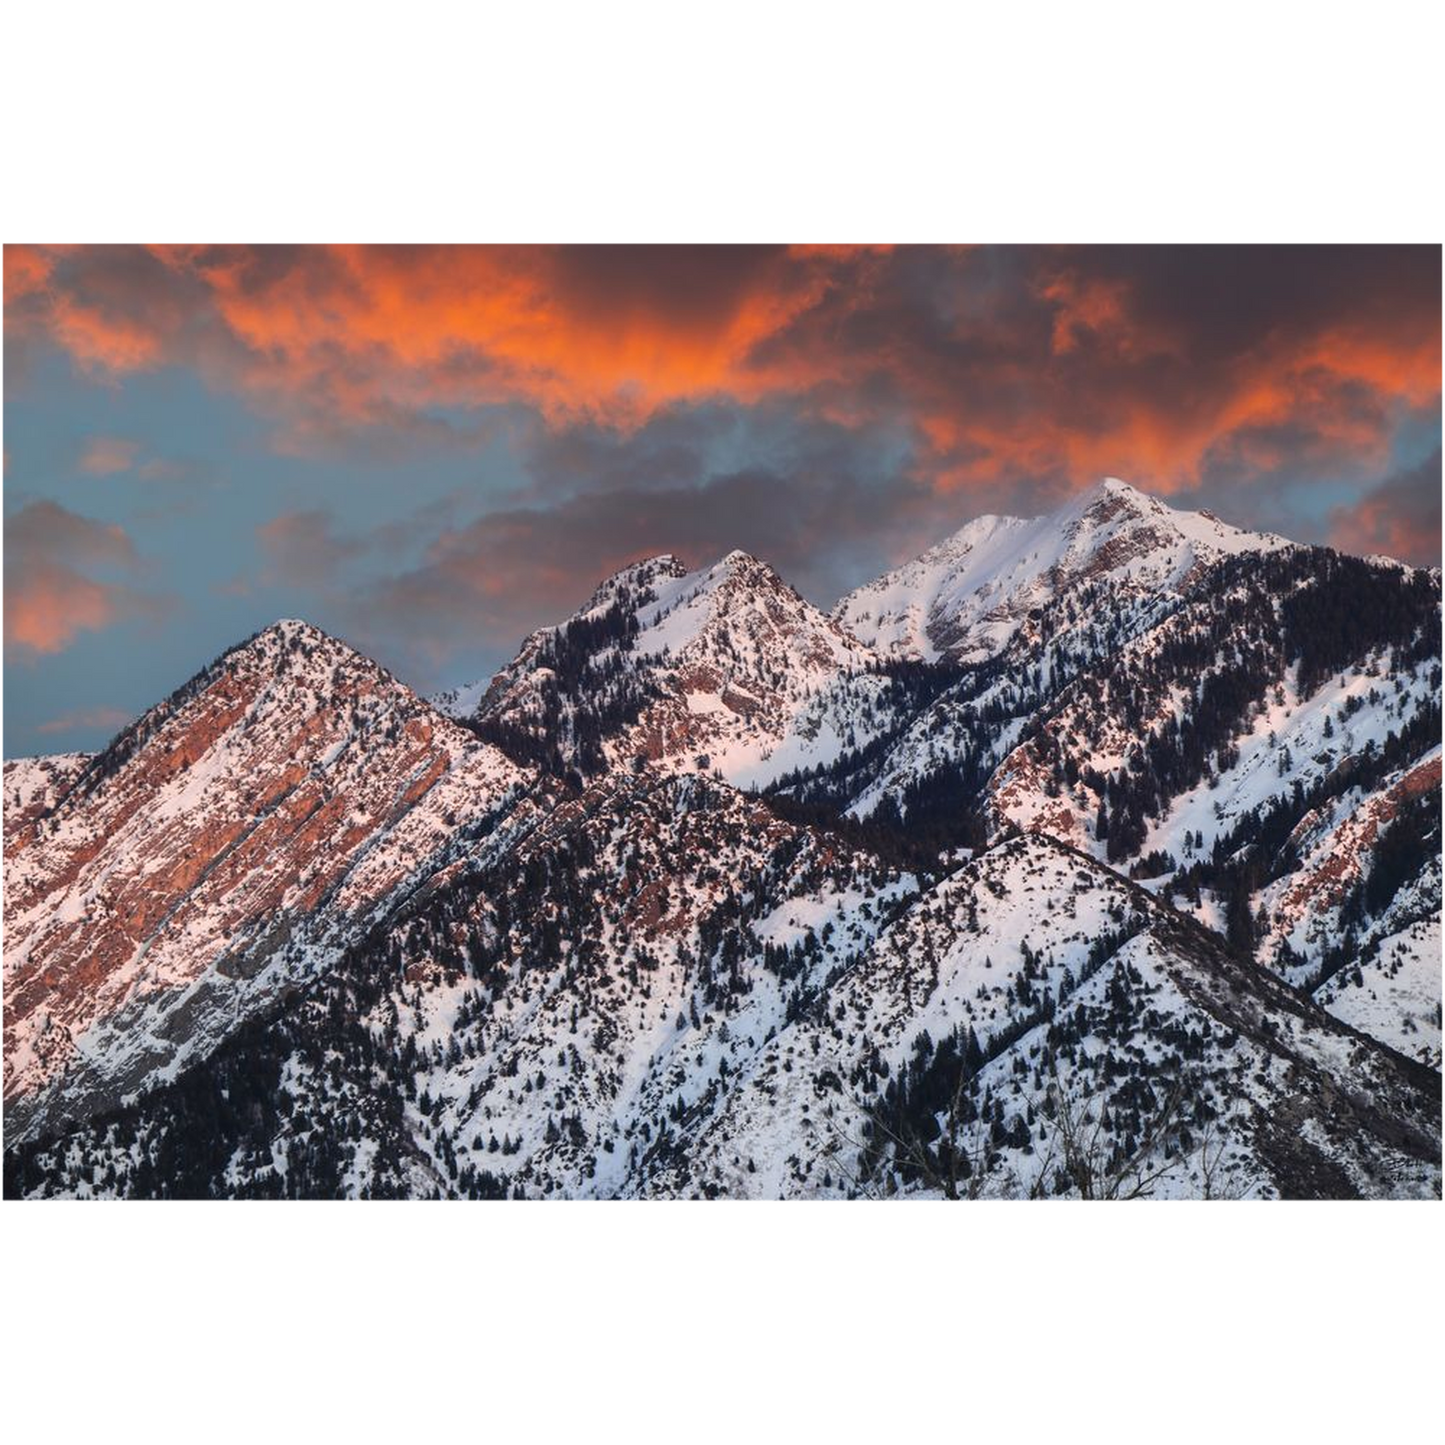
column 967, row 597
column 32, row 786
column 1357, row 913
column 220, row 851
column 1096, row 854
column 1031, row 1025
column 1204, row 732
column 688, row 671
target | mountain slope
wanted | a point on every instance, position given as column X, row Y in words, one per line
column 1213, row 740
column 1075, row 874
column 1032, row 987
column 965, row 598
column 689, row 671
column 214, row 854
column 953, row 1044
column 32, row 786
column 528, row 1017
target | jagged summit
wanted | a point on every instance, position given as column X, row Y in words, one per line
column 743, row 562
column 290, row 633
column 965, row 597
column 666, row 666
column 1116, row 487
column 310, row 660
column 1111, row 500
column 283, row 642
column 635, row 579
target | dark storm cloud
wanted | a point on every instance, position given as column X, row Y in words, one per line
column 679, row 286
column 672, row 450
column 1224, row 299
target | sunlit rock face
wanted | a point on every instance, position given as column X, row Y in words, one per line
column 214, row 854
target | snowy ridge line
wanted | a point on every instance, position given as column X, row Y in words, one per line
column 1129, row 816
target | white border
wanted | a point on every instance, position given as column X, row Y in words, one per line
column 1262, row 121
column 798, row 120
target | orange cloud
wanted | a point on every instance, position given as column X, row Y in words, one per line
column 371, row 327
column 49, row 600
column 1328, row 396
column 102, row 342
column 1006, row 362
column 27, row 269
column 1098, row 309
column 47, row 605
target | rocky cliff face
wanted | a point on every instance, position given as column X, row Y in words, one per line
column 216, row 854
column 688, row 671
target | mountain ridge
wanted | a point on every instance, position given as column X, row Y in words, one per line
column 586, row 933
column 288, row 785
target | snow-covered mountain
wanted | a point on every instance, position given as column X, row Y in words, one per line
column 688, row 671
column 222, row 849
column 967, row 597
column 1097, row 854
column 1031, row 1025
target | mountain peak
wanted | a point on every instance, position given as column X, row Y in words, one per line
column 1109, row 498
column 968, row 596
column 668, row 666
column 1118, row 487
column 636, row 579
column 740, row 573
column 289, row 670
column 221, row 846
column 738, row 559
column 289, row 634
column 298, row 650
column 288, row 629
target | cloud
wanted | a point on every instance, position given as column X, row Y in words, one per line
column 47, row 605
column 109, row 456
column 56, row 533
column 1065, row 363
column 104, row 456
column 106, row 719
column 308, row 549
column 821, row 518
column 832, row 409
column 1400, row 518
column 1010, row 364
column 27, row 272
column 305, row 548
column 49, row 600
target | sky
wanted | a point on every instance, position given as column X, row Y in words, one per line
column 430, row 451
